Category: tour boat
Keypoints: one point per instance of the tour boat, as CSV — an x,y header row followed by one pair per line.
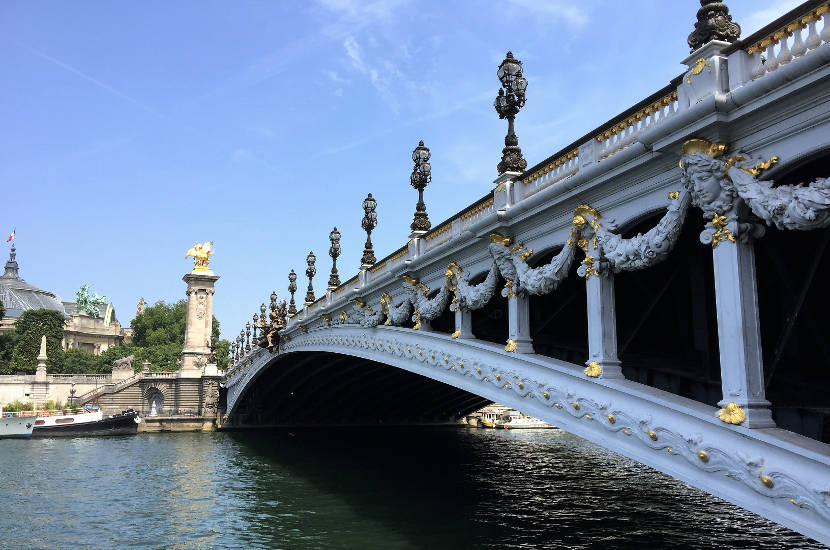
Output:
x,y
93,422
14,425
521,421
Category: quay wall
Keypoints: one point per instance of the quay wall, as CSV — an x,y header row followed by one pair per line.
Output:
x,y
55,387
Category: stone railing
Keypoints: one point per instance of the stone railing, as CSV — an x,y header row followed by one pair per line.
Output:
x,y
798,35
79,378
560,168
626,132
475,213
438,236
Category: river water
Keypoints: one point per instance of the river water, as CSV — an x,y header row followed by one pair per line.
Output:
x,y
427,488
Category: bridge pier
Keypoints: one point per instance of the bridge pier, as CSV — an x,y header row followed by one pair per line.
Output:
x,y
739,334
602,326
518,315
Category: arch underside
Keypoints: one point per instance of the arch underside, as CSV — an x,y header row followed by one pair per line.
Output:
x,y
325,388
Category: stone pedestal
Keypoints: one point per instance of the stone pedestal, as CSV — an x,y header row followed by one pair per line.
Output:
x,y
199,323
463,323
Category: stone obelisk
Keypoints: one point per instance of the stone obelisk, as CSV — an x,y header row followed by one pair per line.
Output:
x,y
199,322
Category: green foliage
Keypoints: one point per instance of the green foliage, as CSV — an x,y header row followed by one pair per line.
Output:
x,y
162,358
2,311
223,348
160,324
30,327
81,361
7,343
17,406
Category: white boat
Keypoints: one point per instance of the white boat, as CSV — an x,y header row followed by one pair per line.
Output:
x,y
14,425
520,420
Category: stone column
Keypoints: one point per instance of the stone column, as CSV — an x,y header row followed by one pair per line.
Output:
x,y
463,323
739,335
199,323
518,314
602,327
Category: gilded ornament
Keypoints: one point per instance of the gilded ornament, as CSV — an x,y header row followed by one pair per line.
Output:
x,y
510,347
461,364
500,239
456,334
409,279
201,257
673,195
611,418
587,417
498,376
557,405
526,254
703,456
593,370
670,450
625,431
697,68
653,435
508,286
580,215
478,370
732,414
521,386
766,480
575,405
721,233
697,145
546,395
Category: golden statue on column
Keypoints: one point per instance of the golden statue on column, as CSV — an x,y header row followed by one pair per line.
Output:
x,y
201,257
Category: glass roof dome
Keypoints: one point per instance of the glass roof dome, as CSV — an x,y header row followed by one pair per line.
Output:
x,y
18,296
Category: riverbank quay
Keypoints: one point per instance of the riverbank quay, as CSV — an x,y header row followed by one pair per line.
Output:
x,y
159,424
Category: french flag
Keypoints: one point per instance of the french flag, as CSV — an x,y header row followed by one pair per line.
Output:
x,y
11,236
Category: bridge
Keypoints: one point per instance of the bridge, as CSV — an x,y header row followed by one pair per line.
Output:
x,y
654,287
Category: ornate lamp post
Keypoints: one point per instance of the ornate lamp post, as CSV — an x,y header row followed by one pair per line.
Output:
x,y
370,221
262,309
292,288
254,326
508,103
420,178
334,252
310,271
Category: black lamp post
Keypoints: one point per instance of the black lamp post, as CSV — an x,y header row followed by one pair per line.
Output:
x,y
370,221
310,271
292,288
334,252
420,178
508,103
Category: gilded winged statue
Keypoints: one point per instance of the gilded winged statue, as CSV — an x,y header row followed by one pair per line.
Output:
x,y
201,255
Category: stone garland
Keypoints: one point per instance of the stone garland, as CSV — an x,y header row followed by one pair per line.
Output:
x,y
748,470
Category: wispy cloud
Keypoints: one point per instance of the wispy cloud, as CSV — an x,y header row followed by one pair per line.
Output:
x,y
378,80
92,80
764,16
574,14
244,155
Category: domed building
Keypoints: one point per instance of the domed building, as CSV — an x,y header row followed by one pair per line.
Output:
x,y
86,327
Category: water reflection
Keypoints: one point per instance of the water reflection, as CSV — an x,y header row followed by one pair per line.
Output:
x,y
380,488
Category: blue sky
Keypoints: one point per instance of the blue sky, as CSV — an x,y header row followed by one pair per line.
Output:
x,y
134,130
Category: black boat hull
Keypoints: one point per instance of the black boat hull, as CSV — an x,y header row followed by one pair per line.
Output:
x,y
122,424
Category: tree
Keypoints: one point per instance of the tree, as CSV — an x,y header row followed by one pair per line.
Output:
x,y
158,337
30,328
81,361
223,348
